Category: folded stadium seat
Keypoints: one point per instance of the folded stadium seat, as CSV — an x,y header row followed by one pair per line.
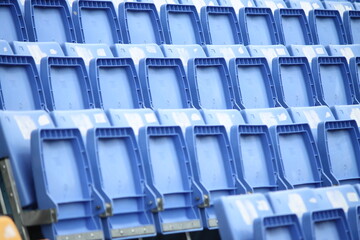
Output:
x,y
8,230
251,217
184,52
212,90
221,26
327,27
298,157
140,23
37,50
23,102
258,26
87,51
268,51
181,24
226,51
237,4
341,6
119,178
213,166
199,3
335,87
77,204
137,52
296,91
293,27
321,215
96,22
69,94
272,4
352,25
306,5
336,139
345,197
177,196
49,21
348,51
255,159
13,28
308,51
117,90
250,75
166,90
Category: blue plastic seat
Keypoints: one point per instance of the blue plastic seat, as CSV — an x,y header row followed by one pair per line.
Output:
x,y
268,51
251,217
333,81
181,24
87,51
49,21
165,88
341,6
221,26
66,84
294,82
200,4
164,84
119,178
267,116
298,157
115,83
339,147
13,28
96,22
137,52
134,118
177,196
140,23
327,27
23,103
184,52
38,50
69,94
16,128
273,4
319,218
213,165
348,51
237,4
21,88
253,83
293,27
345,197
226,51
255,159
160,3
227,118
77,203
352,25
258,26
210,84
308,51
306,5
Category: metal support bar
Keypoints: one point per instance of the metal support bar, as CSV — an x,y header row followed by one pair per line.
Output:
x,y
10,197
11,205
